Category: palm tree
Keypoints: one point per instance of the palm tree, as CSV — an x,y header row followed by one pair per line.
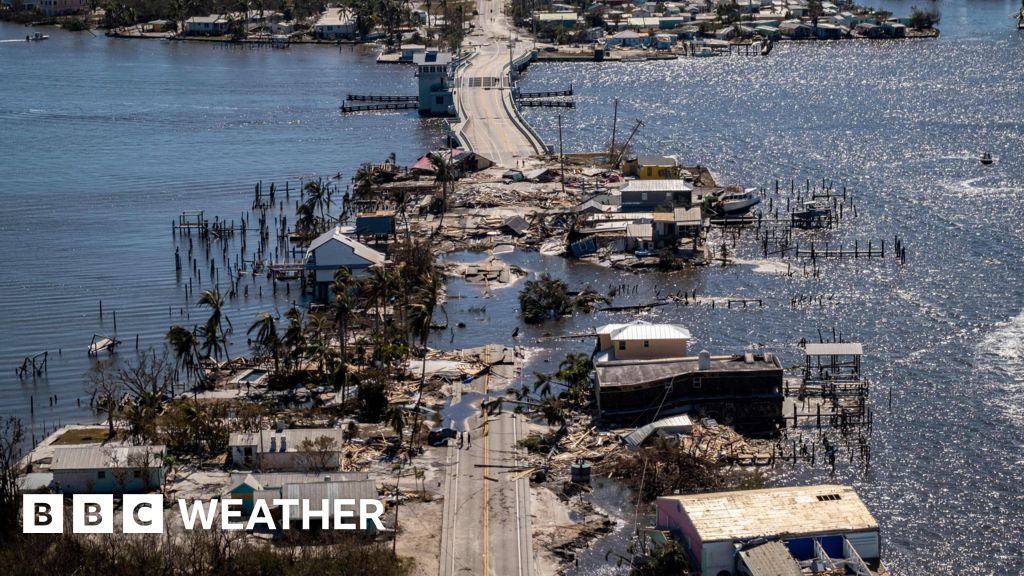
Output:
x,y
215,336
542,384
343,312
305,221
318,343
294,338
421,316
318,197
444,173
267,338
378,287
575,372
185,346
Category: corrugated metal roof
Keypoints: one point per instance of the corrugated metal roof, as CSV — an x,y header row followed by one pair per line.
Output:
x,y
315,491
640,330
638,436
104,457
656,186
834,349
770,559
360,249
642,230
773,512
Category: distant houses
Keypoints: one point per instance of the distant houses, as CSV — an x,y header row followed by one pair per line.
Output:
x,y
335,24
107,469
775,531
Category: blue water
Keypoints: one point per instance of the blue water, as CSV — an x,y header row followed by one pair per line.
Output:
x,y
106,141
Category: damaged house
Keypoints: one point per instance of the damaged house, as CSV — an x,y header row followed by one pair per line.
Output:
x,y
643,371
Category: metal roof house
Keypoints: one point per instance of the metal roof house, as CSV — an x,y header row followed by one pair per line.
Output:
x,y
650,194
641,340
245,485
827,525
107,469
333,250
285,449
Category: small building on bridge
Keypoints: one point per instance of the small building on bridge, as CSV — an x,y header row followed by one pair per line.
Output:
x,y
435,82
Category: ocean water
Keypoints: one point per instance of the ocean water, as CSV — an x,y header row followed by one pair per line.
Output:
x,y
106,141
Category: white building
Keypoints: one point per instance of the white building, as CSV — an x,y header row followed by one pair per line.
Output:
x,y
335,24
212,25
287,449
107,469
333,250
639,340
827,524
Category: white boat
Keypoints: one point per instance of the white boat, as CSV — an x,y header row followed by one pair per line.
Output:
x,y
735,201
705,52
36,37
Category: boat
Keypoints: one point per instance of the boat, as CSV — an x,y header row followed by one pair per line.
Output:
x,y
986,158
36,37
734,201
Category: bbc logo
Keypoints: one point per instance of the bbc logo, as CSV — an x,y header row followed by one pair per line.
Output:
x,y
92,514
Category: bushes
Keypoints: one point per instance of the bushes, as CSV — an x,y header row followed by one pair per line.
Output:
x,y
544,299
198,553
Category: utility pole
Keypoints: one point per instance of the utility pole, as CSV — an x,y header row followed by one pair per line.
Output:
x,y
615,121
561,155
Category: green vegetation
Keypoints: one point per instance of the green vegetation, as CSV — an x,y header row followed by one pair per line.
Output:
x,y
196,553
549,298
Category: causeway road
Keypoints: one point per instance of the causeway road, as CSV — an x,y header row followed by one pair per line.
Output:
x,y
486,519
488,122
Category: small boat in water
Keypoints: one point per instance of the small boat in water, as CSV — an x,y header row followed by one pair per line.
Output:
x,y
734,201
986,158
36,37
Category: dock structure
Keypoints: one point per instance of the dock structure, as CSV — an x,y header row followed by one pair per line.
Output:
x,y
380,98
547,103
403,105
546,94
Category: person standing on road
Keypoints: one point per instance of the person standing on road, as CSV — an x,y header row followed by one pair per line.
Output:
x,y
469,440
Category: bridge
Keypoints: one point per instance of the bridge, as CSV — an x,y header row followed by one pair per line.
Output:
x,y
489,121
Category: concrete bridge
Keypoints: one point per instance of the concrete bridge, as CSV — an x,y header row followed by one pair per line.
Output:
x,y
489,123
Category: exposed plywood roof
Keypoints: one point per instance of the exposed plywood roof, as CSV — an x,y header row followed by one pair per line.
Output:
x,y
834,349
770,559
775,512
657,186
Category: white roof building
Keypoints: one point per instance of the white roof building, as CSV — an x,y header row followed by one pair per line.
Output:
x,y
641,340
831,517
287,449
107,469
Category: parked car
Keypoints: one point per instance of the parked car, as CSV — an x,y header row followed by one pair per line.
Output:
x,y
440,436
643,253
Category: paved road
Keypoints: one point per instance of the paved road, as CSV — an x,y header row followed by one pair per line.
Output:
x,y
486,522
482,90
